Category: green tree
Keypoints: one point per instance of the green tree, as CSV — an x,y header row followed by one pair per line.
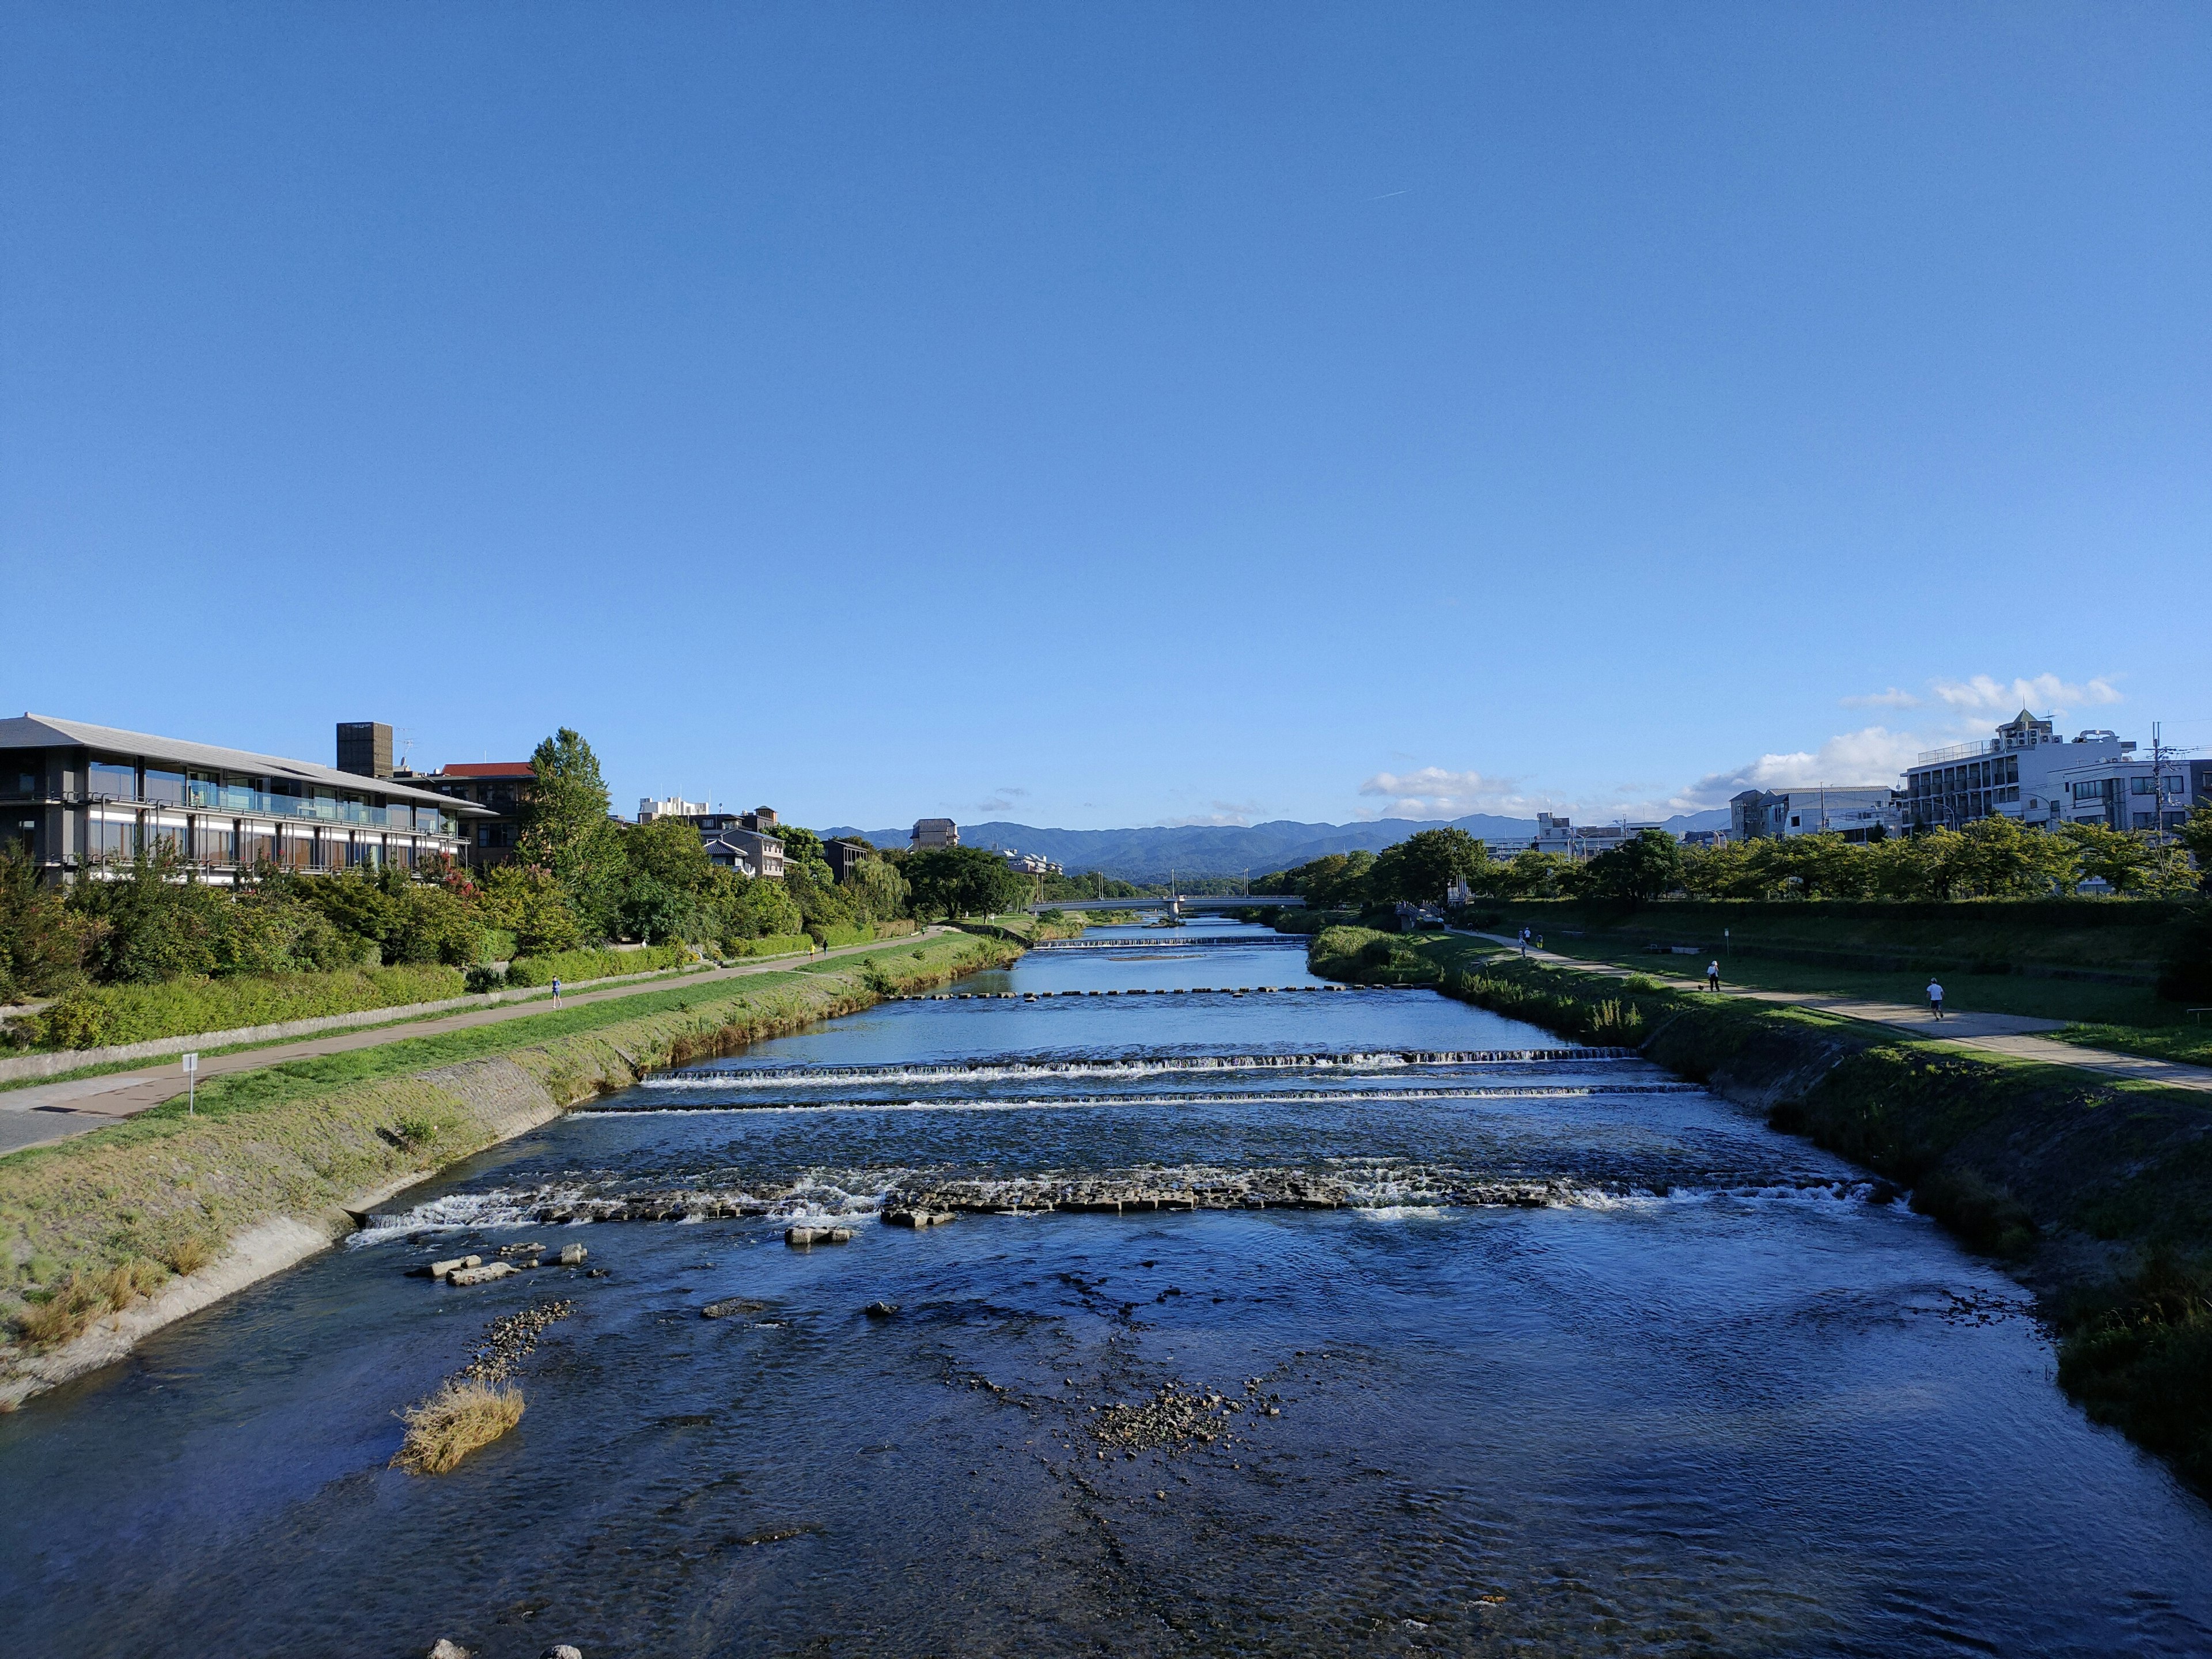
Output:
x,y
1647,866
528,902
1421,867
668,850
2120,860
754,909
2195,837
2002,859
876,889
566,830
1335,881
957,881
42,944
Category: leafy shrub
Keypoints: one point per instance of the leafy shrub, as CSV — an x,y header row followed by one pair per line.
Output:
x,y
1988,1218
99,1015
577,966
483,977
773,945
2144,1364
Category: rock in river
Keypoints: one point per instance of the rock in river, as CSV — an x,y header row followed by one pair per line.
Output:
x,y
800,1237
730,1306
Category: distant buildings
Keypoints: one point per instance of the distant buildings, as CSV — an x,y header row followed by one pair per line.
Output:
x,y
934,832
77,798
2128,792
675,806
1030,864
741,840
1856,813
2011,776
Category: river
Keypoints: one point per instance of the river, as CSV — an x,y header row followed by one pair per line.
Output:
x,y
1585,1361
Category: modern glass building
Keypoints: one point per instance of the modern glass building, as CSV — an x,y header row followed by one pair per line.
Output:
x,y
82,799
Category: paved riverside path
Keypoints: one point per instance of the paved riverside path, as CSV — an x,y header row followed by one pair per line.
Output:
x,y
54,1111
2016,1036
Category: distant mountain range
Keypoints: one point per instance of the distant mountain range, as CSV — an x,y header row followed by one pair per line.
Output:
x,y
1230,850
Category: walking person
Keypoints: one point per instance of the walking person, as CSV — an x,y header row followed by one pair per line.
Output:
x,y
1935,998
1524,941
556,993
1713,975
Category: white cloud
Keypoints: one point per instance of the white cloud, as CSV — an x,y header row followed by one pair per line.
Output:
x,y
1434,793
1985,694
2046,692
1225,814
1891,698
1872,755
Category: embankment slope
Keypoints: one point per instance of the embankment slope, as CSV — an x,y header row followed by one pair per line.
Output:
x,y
113,1234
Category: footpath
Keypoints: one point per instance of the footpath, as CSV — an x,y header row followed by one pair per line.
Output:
x,y
2013,1037
49,1112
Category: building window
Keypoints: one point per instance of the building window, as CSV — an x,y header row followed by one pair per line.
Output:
x,y
113,779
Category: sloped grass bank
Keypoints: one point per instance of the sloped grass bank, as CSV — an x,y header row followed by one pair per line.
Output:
x,y
91,1227
2099,1194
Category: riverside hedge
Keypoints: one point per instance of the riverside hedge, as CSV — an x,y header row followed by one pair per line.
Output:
x,y
93,1016
2097,1193
91,1224
576,966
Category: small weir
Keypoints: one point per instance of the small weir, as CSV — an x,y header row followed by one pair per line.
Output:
x,y
996,1069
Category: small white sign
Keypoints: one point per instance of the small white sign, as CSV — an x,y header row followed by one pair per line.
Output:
x,y
192,1062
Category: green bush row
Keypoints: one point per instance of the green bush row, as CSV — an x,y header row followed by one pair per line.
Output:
x,y
774,944
576,966
99,1015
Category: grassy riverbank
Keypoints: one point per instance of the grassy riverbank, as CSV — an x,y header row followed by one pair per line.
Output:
x,y
2098,1194
92,1225
2085,959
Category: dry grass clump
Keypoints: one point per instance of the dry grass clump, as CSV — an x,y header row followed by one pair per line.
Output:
x,y
189,1254
454,1422
78,1300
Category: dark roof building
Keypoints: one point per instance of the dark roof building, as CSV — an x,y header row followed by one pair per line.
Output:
x,y
81,798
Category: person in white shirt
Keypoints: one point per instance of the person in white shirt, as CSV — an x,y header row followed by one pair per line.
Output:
x,y
1713,976
1935,998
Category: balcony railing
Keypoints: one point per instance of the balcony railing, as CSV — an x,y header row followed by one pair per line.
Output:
x,y
258,803
1958,751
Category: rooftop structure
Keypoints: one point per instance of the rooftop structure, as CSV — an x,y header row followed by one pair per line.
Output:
x,y
81,798
934,832
674,806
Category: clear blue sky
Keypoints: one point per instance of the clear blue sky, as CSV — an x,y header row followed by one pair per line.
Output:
x,y
1104,416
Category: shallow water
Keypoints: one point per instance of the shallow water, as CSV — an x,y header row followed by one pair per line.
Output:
x,y
1694,1390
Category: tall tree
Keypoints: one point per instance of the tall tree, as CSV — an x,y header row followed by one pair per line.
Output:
x,y
957,881
566,830
1423,865
1647,866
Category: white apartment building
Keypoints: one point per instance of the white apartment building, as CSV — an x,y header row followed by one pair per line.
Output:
x,y
2129,793
675,806
2014,774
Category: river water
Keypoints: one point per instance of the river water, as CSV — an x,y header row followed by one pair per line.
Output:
x,y
1583,1361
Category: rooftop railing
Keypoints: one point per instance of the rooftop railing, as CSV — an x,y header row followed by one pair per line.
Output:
x,y
1957,752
